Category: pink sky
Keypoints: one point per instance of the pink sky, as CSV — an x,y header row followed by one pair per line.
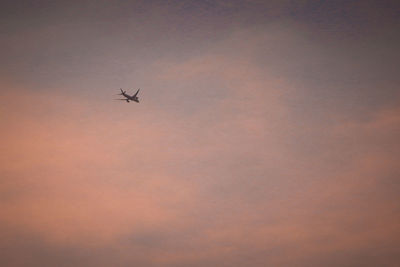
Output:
x,y
261,139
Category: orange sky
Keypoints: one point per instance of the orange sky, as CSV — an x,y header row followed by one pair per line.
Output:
x,y
266,135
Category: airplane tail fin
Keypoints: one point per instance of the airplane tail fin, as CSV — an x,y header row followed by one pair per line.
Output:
x,y
122,91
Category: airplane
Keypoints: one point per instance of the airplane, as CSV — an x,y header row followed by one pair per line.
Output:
x,y
128,97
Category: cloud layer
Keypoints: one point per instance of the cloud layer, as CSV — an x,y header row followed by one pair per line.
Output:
x,y
259,141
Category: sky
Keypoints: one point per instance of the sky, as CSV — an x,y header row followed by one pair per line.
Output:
x,y
267,133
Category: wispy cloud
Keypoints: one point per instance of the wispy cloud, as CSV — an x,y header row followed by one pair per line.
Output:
x,y
269,144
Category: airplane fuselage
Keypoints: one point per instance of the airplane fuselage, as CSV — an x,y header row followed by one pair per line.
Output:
x,y
132,98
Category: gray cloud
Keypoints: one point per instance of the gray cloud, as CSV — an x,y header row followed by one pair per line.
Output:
x,y
266,134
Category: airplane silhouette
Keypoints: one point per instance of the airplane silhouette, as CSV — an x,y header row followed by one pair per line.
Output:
x,y
128,97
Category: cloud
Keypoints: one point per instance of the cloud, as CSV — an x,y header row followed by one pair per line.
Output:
x,y
228,160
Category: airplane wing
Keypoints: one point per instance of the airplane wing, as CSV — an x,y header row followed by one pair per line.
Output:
x,y
136,93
